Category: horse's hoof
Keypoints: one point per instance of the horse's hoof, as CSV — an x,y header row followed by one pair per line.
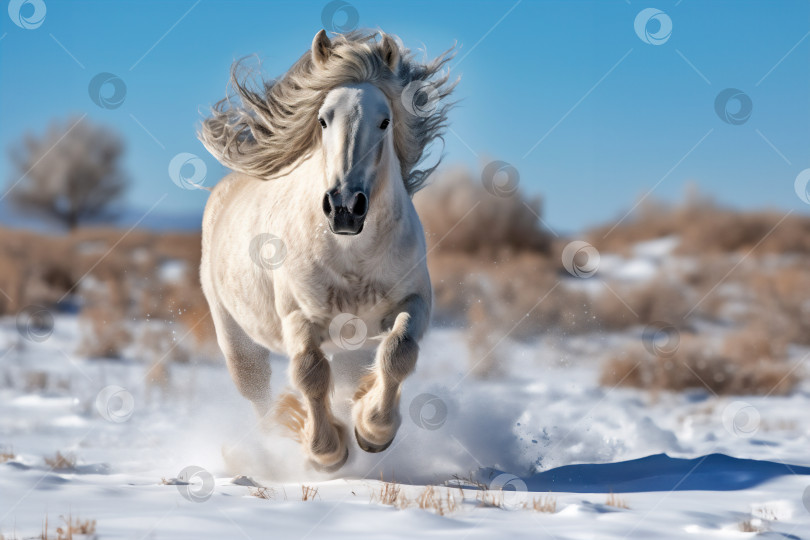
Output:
x,y
331,468
371,447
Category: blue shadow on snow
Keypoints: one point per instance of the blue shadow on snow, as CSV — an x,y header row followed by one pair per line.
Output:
x,y
659,472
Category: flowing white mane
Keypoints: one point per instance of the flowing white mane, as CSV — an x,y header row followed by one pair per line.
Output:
x,y
263,132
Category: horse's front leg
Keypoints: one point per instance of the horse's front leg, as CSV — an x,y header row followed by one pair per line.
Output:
x,y
376,410
322,435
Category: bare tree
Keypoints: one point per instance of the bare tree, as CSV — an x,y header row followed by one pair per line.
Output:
x,y
72,173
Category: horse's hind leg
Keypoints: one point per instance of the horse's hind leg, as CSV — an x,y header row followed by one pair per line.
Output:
x,y
247,361
376,410
322,435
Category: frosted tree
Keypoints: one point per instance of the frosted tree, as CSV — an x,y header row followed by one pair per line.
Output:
x,y
72,173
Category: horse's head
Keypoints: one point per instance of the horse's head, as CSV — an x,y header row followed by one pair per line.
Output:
x,y
355,120
365,107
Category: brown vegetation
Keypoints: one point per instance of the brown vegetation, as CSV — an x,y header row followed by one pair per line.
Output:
x,y
616,502
114,276
308,493
706,228
460,216
7,454
388,494
746,271
85,527
749,365
751,526
546,504
61,461
262,492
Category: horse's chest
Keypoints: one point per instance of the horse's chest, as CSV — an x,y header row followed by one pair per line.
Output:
x,y
353,292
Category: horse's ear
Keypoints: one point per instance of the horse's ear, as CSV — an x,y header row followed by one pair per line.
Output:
x,y
390,52
321,48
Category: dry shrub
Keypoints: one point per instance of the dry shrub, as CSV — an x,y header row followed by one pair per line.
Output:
x,y
782,302
516,295
508,288
61,461
488,257
755,368
459,215
623,306
705,228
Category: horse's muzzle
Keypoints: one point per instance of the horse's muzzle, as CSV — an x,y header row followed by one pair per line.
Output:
x,y
345,211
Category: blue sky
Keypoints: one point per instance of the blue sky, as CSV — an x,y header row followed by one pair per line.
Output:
x,y
591,115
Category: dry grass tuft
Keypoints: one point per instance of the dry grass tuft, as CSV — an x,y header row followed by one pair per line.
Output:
x,y
308,493
72,526
7,454
751,526
468,480
430,499
86,528
546,504
388,494
616,502
490,499
263,492
61,461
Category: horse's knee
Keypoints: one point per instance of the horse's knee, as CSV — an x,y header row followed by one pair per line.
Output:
x,y
311,373
398,356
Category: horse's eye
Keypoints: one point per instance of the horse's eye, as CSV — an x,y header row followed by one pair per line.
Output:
x,y
322,122
385,123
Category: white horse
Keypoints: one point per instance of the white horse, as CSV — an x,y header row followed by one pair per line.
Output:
x,y
325,166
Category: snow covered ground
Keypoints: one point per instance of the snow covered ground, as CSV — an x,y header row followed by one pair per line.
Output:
x,y
546,426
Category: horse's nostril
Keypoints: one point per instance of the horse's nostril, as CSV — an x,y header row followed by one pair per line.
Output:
x,y
360,206
327,206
